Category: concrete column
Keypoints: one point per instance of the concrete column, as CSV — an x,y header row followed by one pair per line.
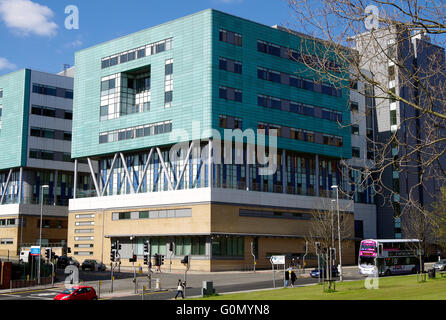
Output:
x,y
284,175
20,185
75,178
29,181
247,175
210,164
56,173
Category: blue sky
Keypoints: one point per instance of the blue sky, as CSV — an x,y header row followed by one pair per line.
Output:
x,y
33,33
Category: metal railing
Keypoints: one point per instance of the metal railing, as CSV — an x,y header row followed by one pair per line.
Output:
x,y
28,283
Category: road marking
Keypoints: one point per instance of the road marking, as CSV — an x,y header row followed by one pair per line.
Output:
x,y
30,291
43,294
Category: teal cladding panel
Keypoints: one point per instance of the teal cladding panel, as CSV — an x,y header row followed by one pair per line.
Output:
x,y
191,55
251,86
15,114
197,77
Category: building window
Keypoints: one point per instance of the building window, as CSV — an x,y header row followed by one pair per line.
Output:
x,y
84,216
231,37
291,80
85,223
83,253
356,152
190,245
355,130
392,95
228,247
228,122
230,65
83,238
168,86
6,241
51,112
354,106
52,91
141,52
231,94
1,93
391,73
393,118
84,231
83,246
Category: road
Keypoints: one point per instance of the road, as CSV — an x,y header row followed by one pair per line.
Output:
x,y
124,287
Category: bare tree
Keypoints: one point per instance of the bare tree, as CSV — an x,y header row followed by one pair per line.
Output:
x,y
438,218
324,228
397,49
417,225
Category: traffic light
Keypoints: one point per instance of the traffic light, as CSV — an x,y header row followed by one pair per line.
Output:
x,y
48,253
185,260
318,247
161,260
146,260
157,260
118,245
146,247
113,255
69,250
133,258
333,253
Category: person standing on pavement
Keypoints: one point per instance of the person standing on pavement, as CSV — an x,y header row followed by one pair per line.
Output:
x,y
293,278
180,289
287,276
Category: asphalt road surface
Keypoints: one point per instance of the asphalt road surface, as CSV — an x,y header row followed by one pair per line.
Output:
x,y
124,287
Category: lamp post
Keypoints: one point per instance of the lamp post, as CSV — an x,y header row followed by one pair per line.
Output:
x,y
332,223
332,238
339,231
40,238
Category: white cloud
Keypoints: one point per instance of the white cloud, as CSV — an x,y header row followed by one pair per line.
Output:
x,y
74,44
26,17
6,65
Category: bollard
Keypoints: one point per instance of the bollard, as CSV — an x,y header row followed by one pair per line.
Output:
x,y
143,291
158,284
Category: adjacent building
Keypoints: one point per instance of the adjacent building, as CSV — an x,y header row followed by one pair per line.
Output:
x,y
405,63
36,111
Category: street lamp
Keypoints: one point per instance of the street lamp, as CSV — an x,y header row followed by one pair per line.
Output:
x,y
332,237
339,231
40,238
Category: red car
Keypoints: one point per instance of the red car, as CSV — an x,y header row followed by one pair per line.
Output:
x,y
77,293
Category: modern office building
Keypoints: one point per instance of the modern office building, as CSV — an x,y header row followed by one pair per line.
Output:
x,y
155,110
35,141
396,58
363,129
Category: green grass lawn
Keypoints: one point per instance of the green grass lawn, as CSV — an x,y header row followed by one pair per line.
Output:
x,y
390,288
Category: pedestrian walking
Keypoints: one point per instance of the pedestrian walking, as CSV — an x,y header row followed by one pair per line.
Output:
x,y
293,278
287,277
180,289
